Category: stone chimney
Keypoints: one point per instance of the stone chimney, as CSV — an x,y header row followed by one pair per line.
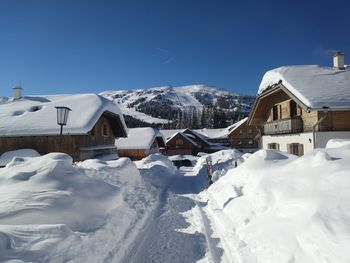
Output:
x,y
17,92
338,60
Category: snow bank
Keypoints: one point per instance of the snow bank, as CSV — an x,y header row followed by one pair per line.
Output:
x,y
49,190
117,172
157,169
6,157
280,208
222,161
336,143
54,211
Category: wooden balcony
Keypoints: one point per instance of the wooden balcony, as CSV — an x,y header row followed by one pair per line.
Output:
x,y
293,125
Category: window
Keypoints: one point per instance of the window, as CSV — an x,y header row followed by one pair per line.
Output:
x,y
240,131
179,143
250,131
293,109
250,141
296,149
275,113
104,130
239,142
273,146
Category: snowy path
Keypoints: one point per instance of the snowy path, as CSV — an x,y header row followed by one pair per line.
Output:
x,y
168,236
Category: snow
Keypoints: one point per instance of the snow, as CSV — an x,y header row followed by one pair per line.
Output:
x,y
51,210
206,134
273,207
184,136
223,132
139,138
185,98
6,157
36,115
276,207
315,86
337,143
140,115
170,133
131,97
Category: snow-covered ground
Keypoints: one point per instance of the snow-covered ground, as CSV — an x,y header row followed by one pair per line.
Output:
x,y
274,207
53,211
278,208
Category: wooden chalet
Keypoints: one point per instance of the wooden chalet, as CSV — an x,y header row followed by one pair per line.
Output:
x,y
182,144
243,137
239,135
190,142
300,108
140,143
30,122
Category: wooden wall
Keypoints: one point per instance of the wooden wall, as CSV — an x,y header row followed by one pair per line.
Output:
x,y
283,109
309,120
186,148
284,112
241,137
335,121
70,143
134,154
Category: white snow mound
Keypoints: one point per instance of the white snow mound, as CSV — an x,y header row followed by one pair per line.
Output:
x,y
279,208
337,143
6,157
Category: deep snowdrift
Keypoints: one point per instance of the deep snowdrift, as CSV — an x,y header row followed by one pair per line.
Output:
x,y
280,208
54,211
6,157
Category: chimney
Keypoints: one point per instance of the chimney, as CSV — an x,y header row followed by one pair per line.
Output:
x,y
338,60
17,92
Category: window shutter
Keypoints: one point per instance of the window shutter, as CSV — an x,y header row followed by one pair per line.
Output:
x,y
280,112
289,148
301,149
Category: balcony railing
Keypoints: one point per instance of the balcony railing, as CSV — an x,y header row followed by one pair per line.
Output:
x,y
293,125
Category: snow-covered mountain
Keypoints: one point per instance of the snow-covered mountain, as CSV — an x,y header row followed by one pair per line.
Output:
x,y
162,104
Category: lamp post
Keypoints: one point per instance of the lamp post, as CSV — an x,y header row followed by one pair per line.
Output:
x,y
62,117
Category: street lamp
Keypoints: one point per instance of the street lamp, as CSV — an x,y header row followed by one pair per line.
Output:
x,y
62,117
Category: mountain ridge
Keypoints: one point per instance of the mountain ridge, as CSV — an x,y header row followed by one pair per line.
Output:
x,y
162,105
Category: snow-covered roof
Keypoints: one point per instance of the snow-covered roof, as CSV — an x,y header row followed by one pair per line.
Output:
x,y
236,125
314,86
139,138
169,133
222,132
213,133
196,135
183,135
36,115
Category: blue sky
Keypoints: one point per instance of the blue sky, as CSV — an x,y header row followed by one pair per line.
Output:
x,y
72,46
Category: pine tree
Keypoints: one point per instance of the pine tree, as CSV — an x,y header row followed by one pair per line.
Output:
x,y
203,118
194,119
179,120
